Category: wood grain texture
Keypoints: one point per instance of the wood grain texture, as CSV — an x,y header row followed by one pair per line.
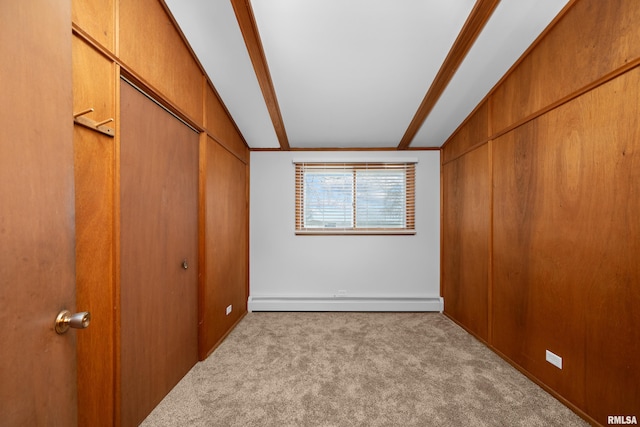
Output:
x,y
93,86
37,233
465,245
472,27
93,155
93,82
564,268
613,291
97,18
592,39
538,304
249,28
566,248
221,127
225,273
475,130
153,48
159,229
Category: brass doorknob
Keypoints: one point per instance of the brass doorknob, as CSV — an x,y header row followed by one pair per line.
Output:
x,y
66,320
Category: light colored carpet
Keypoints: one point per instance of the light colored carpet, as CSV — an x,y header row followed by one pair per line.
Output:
x,y
356,369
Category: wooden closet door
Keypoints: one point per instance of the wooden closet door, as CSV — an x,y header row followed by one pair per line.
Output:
x,y
159,244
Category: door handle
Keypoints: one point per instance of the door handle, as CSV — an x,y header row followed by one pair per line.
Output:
x,y
185,264
66,320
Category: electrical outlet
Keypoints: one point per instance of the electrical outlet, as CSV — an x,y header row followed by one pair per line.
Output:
x,y
554,359
229,308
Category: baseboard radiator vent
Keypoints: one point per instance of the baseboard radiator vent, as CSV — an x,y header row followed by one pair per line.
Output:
x,y
265,303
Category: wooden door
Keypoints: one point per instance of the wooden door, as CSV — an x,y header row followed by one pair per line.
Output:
x,y
159,253
37,273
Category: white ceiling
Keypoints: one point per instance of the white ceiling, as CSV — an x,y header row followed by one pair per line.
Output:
x,y
352,73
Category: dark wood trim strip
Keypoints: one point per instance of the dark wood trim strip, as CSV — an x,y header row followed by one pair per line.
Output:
x,y
526,53
476,21
230,150
128,71
116,250
134,77
249,29
591,86
490,247
202,242
491,216
203,71
224,107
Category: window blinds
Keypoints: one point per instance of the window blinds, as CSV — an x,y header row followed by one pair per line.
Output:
x,y
355,197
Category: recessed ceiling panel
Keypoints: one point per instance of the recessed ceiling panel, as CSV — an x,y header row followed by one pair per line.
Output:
x,y
513,27
214,35
353,73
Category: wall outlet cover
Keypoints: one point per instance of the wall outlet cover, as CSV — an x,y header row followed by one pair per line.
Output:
x,y
554,359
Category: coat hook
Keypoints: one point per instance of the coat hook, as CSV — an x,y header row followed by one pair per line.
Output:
x,y
104,122
82,113
92,124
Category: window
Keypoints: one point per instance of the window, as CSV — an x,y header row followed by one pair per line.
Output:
x,y
351,198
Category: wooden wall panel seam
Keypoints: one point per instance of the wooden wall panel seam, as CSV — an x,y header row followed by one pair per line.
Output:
x,y
526,373
202,242
182,36
587,88
208,128
76,30
490,248
442,200
490,243
223,145
526,53
204,73
117,345
199,124
139,80
467,151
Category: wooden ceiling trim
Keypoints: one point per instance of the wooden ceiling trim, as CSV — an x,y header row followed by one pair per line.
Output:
x,y
249,29
476,21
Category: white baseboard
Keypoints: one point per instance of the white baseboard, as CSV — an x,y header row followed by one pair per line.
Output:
x,y
344,304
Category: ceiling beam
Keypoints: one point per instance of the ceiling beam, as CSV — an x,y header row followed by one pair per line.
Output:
x,y
472,27
249,29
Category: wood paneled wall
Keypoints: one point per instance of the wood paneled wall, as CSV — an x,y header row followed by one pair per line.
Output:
x,y
139,39
541,186
466,201
150,44
94,155
224,241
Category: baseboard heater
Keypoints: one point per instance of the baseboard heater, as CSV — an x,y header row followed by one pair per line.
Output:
x,y
265,303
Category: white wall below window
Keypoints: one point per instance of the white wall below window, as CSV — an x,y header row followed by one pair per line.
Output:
x,y
340,273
